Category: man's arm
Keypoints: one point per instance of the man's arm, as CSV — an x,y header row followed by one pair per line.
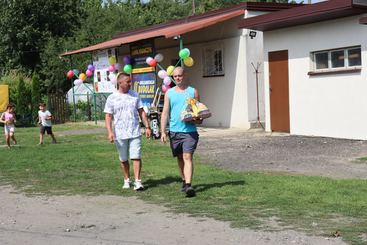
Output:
x,y
144,118
108,122
164,117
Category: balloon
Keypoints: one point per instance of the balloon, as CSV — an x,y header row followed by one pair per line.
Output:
x,y
153,63
167,81
91,67
189,62
76,72
111,68
77,82
89,73
112,60
128,68
162,74
127,59
170,70
82,76
113,78
70,74
164,88
148,60
159,57
118,66
184,53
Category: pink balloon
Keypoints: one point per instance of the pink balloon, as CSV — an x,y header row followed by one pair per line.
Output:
x,y
167,81
153,63
89,73
111,68
164,88
70,74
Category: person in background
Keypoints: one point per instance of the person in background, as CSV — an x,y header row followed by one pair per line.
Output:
x,y
9,120
44,119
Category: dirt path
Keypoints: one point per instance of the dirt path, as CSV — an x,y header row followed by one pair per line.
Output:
x,y
120,220
125,220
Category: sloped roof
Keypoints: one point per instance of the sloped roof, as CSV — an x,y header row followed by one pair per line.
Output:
x,y
182,26
305,14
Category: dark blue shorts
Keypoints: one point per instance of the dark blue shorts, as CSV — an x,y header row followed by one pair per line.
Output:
x,y
47,129
183,142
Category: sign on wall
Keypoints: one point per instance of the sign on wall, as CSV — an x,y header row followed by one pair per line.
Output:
x,y
145,85
101,80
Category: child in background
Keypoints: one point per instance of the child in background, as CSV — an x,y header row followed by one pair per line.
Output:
x,y
9,120
44,119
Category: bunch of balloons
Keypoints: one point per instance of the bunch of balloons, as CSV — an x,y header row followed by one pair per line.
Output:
x,y
81,77
128,67
184,55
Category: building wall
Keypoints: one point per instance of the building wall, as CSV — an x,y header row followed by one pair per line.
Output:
x,y
322,105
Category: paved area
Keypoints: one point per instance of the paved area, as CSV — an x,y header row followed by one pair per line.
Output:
x,y
256,150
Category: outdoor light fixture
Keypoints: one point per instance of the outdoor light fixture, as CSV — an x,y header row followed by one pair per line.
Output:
x,y
252,34
176,37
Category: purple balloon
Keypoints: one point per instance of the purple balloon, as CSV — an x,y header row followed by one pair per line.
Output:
x,y
127,60
90,67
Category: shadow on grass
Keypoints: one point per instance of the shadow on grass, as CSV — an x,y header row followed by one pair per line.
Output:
x,y
152,183
205,187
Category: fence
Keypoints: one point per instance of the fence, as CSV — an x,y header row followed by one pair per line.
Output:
x,y
58,106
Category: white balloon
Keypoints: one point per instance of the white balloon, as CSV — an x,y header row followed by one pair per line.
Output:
x,y
162,74
78,82
167,81
159,57
148,60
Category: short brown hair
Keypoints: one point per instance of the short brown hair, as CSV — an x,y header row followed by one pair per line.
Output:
x,y
122,74
42,104
10,105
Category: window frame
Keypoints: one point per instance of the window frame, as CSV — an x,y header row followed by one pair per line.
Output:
x,y
212,48
346,66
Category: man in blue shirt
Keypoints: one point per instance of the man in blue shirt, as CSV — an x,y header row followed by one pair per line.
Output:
x,y
183,135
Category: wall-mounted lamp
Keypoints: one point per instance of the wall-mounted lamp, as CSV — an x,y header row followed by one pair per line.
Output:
x,y
252,34
176,37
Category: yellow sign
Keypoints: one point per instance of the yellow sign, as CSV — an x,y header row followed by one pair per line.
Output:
x,y
144,69
4,97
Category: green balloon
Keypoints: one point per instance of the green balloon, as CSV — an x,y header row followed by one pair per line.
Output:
x,y
184,53
128,68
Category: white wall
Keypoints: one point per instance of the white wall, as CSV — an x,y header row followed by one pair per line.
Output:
x,y
322,105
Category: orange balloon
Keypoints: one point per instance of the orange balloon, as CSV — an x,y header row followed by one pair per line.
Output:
x,y
189,61
82,76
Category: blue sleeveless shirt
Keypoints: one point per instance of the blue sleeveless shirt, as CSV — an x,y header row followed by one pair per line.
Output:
x,y
177,103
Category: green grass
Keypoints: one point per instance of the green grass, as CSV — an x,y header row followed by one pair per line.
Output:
x,y
88,165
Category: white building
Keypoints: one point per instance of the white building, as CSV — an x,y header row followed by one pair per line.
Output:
x,y
315,74
223,55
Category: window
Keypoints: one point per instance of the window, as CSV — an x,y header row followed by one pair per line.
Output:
x,y
213,60
336,59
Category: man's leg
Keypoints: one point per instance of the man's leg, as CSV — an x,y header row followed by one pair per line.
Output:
x,y
188,167
125,169
135,156
180,163
137,168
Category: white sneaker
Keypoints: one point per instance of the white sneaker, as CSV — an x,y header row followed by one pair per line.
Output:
x,y
126,184
138,186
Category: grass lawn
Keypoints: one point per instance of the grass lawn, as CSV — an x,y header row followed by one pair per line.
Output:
x,y
88,165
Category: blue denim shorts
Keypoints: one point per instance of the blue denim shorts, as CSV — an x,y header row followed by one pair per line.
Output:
x,y
129,147
183,142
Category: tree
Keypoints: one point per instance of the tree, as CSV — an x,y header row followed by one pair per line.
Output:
x,y
23,103
36,95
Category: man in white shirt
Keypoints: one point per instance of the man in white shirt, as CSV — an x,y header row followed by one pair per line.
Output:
x,y
123,108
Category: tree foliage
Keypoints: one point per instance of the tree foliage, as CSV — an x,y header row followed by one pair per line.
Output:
x,y
33,33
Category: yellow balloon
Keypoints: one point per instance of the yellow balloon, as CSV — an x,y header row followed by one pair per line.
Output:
x,y
189,62
112,60
82,76
170,70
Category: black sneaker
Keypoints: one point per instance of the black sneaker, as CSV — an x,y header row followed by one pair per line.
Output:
x,y
183,188
190,192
